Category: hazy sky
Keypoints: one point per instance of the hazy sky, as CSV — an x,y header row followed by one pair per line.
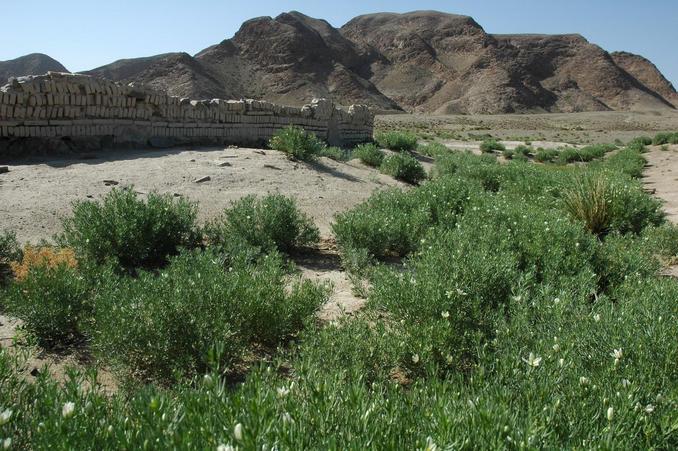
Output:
x,y
83,34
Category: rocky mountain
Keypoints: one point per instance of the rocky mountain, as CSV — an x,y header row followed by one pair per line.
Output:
x,y
424,61
35,63
646,73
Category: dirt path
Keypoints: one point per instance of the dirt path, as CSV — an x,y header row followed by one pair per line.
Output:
x,y
661,178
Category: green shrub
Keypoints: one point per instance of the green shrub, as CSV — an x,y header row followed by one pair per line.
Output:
x,y
52,302
392,223
403,167
662,240
369,154
9,252
336,153
546,155
665,138
433,149
522,150
621,257
628,161
132,232
297,143
273,222
585,154
508,153
398,141
490,145
642,140
604,204
197,314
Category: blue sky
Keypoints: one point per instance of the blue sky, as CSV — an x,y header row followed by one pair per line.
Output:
x,y
84,34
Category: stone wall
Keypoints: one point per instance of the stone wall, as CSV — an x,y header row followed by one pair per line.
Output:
x,y
53,111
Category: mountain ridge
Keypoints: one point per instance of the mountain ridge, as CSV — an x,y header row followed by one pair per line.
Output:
x,y
422,61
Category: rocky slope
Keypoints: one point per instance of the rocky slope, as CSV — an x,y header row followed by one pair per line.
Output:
x,y
423,61
33,64
646,73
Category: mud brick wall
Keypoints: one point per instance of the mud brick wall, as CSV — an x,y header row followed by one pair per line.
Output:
x,y
48,112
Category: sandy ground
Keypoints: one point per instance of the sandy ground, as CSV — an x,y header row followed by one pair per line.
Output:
x,y
661,177
35,196
574,128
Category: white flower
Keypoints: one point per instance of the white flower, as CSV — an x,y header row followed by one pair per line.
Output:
x,y
5,416
287,418
6,443
415,358
556,301
584,380
610,413
625,383
461,292
68,410
649,408
561,362
617,354
283,391
596,317
445,314
556,347
207,379
237,432
430,445
449,359
223,447
532,360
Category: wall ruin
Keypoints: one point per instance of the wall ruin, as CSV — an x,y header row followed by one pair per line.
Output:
x,y
47,112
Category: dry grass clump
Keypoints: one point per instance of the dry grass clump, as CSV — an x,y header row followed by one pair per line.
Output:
x,y
47,257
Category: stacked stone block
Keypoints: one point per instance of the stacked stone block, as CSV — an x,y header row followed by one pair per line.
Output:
x,y
58,106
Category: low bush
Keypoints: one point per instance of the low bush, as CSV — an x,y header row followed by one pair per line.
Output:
x,y
490,145
297,143
641,140
546,155
273,222
606,204
433,149
403,167
665,138
52,301
523,150
9,252
393,222
398,141
336,153
130,231
369,154
508,154
628,161
662,240
585,154
198,315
